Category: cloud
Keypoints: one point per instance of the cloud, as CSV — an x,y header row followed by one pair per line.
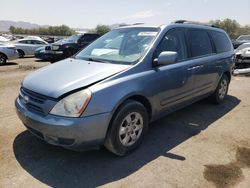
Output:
x,y
143,14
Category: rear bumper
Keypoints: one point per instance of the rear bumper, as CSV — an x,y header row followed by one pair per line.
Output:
x,y
72,133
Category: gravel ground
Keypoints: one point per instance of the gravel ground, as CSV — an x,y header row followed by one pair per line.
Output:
x,y
202,145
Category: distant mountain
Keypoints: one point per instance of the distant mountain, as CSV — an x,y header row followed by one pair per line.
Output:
x,y
5,25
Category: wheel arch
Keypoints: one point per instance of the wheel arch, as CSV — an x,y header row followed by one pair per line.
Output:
x,y
21,50
136,97
228,74
4,55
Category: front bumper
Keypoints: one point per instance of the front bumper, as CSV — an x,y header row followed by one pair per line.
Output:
x,y
49,55
55,55
72,133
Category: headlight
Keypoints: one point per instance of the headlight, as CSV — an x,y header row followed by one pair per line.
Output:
x,y
55,47
72,105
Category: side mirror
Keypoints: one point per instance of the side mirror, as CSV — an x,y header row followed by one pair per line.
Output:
x,y
166,58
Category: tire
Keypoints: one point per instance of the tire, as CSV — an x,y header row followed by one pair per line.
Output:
x,y
20,53
124,135
221,91
3,59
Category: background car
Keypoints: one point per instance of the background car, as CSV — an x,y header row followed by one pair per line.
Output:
x,y
7,52
3,39
27,46
242,56
69,46
243,38
45,55
237,43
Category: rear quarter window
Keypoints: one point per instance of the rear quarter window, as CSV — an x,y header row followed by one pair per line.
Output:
x,y
221,42
199,43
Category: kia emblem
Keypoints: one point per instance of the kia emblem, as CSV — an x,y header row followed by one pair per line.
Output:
x,y
26,99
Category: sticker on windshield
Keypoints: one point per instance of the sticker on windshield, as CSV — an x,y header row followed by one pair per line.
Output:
x,y
145,34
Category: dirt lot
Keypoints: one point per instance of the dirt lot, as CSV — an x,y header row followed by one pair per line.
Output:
x,y
202,145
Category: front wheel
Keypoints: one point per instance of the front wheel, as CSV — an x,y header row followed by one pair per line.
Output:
x,y
127,128
3,59
221,91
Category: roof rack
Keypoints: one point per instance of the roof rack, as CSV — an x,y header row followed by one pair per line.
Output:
x,y
137,23
193,22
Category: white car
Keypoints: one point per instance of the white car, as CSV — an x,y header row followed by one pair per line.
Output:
x,y
242,56
7,52
244,38
3,39
243,50
28,46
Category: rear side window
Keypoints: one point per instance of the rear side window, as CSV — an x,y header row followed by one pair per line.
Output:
x,y
200,43
221,41
39,42
23,42
87,38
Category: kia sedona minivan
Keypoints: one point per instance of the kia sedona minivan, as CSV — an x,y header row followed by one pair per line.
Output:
x,y
109,92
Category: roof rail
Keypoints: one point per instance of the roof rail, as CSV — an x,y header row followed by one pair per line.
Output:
x,y
137,23
193,22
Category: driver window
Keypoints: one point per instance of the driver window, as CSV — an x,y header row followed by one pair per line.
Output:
x,y
173,41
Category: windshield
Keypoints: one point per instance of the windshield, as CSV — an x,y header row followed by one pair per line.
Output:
x,y
244,37
246,45
73,38
121,46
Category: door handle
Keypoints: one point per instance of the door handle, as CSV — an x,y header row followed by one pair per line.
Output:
x,y
195,67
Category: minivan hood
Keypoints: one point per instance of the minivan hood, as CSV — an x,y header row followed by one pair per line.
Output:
x,y
67,75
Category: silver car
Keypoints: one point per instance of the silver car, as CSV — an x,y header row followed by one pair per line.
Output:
x,y
28,46
109,92
7,52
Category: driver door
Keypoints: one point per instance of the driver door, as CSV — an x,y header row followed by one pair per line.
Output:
x,y
174,82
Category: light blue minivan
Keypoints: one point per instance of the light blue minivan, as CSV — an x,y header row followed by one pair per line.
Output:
x,y
109,92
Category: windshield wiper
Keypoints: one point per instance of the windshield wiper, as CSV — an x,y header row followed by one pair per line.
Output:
x,y
97,60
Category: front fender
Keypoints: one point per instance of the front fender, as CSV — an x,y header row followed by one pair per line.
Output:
x,y
108,96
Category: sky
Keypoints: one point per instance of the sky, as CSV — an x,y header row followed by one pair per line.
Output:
x,y
89,13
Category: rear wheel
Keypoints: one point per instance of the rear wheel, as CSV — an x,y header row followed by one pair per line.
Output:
x,y
3,59
221,91
127,128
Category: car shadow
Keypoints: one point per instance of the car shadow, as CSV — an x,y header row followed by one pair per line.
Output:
x,y
27,57
8,64
58,167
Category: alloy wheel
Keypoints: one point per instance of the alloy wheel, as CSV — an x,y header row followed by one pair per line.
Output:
x,y
131,129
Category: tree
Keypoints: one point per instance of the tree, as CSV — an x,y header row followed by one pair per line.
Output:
x,y
232,27
102,29
12,29
62,30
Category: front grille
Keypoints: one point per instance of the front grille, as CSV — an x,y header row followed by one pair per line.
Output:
x,y
33,101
